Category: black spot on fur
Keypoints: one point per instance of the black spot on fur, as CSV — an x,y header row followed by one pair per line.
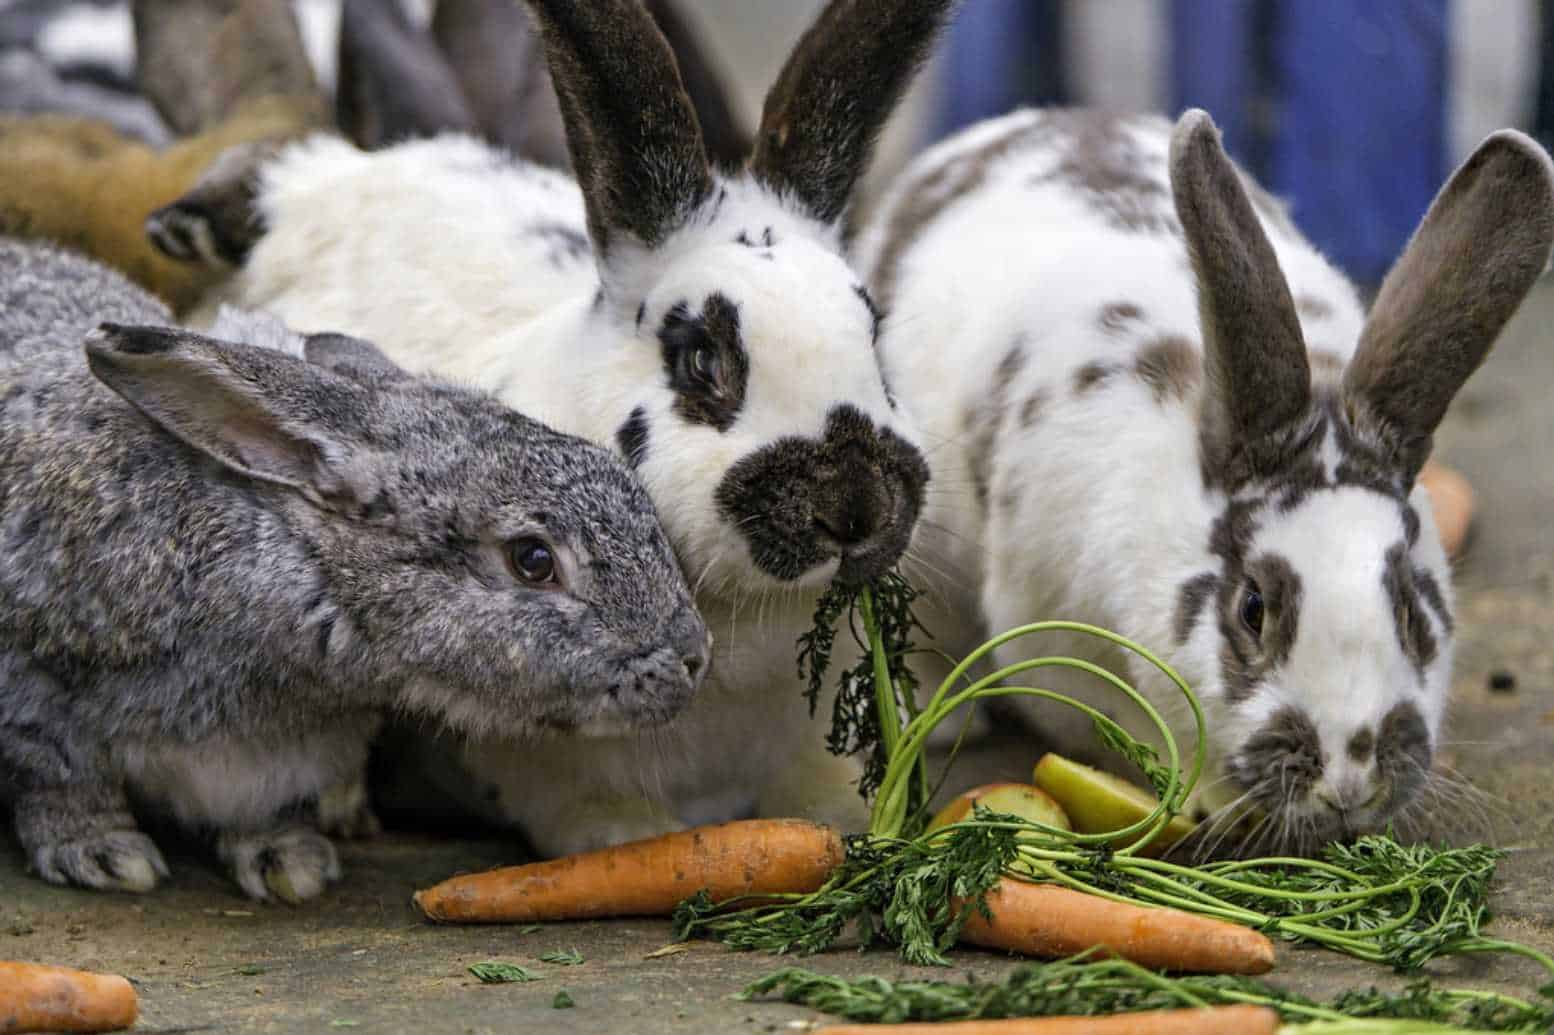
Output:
x,y
326,631
1190,600
876,315
641,313
800,502
1361,745
705,361
632,438
766,240
563,244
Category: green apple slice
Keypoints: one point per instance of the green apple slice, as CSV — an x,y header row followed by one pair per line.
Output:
x,y
1098,802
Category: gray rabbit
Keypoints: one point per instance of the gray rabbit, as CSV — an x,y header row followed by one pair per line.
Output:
x,y
221,564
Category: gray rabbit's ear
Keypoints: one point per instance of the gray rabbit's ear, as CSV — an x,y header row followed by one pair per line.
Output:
x,y
200,60
1479,249
261,413
394,82
1258,382
834,95
724,133
635,143
352,357
494,49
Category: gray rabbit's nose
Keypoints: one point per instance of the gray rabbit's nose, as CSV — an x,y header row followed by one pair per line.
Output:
x,y
695,648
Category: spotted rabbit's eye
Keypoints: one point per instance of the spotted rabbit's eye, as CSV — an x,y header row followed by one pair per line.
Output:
x,y
1252,609
704,363
532,561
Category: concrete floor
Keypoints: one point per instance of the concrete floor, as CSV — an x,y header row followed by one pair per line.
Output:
x,y
205,959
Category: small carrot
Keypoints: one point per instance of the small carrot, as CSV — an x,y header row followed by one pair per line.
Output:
x,y
1052,922
1213,1020
34,997
645,878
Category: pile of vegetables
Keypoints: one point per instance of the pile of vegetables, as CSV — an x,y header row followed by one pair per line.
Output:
x,y
1008,867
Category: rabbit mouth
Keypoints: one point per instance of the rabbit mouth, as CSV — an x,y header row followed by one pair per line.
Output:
x,y
851,497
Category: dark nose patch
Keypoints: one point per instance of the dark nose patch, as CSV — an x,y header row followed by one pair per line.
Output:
x,y
1282,759
1362,745
800,501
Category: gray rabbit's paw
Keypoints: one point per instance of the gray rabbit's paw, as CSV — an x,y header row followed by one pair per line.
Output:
x,y
119,860
290,865
344,811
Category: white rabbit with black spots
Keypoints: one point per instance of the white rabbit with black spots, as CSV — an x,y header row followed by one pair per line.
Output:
x,y
703,320
1153,406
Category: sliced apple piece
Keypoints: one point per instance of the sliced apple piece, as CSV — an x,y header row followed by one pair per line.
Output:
x,y
1015,799
1097,801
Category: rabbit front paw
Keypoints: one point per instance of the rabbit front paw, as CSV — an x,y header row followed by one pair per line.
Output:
x,y
118,860
291,865
344,811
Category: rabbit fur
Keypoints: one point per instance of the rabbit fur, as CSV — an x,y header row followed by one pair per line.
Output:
x,y
1153,406
221,564
703,321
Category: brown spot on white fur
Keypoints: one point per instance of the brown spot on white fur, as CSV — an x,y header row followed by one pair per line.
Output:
x,y
983,423
1409,622
935,191
1170,366
1116,318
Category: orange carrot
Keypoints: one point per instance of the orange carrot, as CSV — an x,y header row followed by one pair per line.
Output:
x,y
1452,503
34,997
1053,922
1214,1020
645,878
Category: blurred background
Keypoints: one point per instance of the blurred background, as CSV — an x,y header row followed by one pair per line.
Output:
x,y
1352,110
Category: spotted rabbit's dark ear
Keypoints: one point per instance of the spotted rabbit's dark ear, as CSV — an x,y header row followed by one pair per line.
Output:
x,y
1258,383
834,95
1479,249
199,61
635,143
394,82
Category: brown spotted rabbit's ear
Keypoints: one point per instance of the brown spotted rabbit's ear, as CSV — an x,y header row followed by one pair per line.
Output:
x,y
199,61
834,95
394,82
1479,249
635,143
1258,382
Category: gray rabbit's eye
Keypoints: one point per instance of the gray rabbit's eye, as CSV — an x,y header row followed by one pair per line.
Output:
x,y
532,561
1252,609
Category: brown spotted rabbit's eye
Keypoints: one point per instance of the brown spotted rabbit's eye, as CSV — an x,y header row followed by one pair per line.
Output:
x,y
1252,609
533,561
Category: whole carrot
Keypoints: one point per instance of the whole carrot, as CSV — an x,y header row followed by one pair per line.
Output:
x,y
1213,1020
1053,922
34,997
645,878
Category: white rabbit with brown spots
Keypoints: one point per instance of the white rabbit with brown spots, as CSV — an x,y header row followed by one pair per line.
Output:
x,y
1150,404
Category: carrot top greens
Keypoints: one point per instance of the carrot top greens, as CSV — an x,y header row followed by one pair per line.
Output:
x,y
1375,899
